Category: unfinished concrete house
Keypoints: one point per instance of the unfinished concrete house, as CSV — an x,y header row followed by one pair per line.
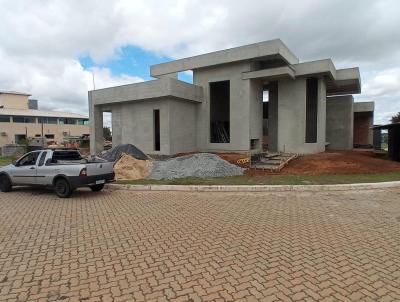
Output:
x,y
245,99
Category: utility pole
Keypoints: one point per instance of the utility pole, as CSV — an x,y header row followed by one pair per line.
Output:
x,y
42,135
94,85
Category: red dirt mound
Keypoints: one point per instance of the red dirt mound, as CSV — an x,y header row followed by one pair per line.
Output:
x,y
336,162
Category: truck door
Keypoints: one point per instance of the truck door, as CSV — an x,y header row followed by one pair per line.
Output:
x,y
25,169
44,173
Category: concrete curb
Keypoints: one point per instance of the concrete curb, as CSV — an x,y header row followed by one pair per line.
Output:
x,y
257,188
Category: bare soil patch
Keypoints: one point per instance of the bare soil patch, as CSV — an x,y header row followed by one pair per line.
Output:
x,y
335,162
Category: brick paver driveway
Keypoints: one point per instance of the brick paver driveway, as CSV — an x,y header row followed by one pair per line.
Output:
x,y
171,246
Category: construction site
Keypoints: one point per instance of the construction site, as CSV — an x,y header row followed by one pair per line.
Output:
x,y
253,110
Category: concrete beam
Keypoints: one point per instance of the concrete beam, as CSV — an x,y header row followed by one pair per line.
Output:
x,y
164,87
320,67
270,74
237,54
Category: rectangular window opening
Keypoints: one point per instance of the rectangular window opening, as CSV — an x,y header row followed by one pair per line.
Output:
x,y
4,119
220,112
156,117
311,110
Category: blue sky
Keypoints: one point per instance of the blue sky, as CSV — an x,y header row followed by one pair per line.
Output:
x,y
132,61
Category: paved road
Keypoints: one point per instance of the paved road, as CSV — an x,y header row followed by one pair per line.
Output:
x,y
176,246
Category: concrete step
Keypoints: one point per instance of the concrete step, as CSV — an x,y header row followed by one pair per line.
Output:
x,y
273,162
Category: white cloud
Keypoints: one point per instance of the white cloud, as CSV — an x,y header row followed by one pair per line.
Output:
x,y
41,40
384,83
58,83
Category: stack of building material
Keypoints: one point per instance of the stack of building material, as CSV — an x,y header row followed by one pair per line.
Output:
x,y
115,153
129,168
272,161
201,165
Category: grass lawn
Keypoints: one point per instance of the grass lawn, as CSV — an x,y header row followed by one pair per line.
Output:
x,y
274,180
4,161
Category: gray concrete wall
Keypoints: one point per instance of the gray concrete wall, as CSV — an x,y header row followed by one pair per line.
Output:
x,y
137,125
96,127
182,125
339,122
292,117
117,124
133,123
132,115
239,107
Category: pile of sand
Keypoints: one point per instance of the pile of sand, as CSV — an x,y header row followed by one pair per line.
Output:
x,y
130,168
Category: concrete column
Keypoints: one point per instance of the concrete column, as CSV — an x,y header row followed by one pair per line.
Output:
x,y
117,125
96,127
256,115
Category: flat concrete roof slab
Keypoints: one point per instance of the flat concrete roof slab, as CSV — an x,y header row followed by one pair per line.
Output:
x,y
237,54
148,90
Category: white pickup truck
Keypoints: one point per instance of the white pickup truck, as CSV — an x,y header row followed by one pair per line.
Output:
x,y
64,170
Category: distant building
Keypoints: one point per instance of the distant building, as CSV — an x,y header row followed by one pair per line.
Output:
x,y
21,119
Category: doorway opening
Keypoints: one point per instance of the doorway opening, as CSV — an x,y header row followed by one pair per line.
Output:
x,y
156,119
270,116
220,112
311,110
107,130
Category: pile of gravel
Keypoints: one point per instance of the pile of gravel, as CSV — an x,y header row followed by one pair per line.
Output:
x,y
115,153
201,165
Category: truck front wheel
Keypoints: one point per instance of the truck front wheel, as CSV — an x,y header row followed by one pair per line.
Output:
x,y
5,183
62,188
97,188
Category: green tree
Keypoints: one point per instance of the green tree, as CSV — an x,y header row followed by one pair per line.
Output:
x,y
396,118
107,133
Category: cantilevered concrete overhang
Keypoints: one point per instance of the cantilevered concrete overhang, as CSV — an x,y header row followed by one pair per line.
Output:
x,y
274,49
339,82
347,81
364,107
155,89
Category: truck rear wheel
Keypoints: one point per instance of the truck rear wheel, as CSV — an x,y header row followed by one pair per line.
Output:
x,y
97,188
62,188
5,183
